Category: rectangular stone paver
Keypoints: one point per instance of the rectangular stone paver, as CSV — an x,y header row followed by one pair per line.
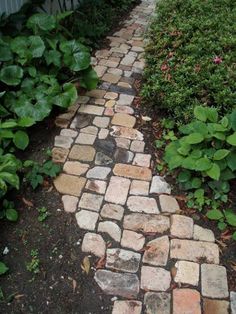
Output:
x,y
142,204
91,109
68,184
157,251
132,172
122,260
127,307
117,190
155,278
139,187
87,219
112,211
132,240
215,306
181,226
96,186
195,251
91,201
82,153
187,273
157,303
130,133
186,301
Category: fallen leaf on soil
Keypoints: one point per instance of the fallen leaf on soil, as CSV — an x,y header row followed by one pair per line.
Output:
x,y
50,189
146,118
101,262
18,296
27,202
74,284
86,265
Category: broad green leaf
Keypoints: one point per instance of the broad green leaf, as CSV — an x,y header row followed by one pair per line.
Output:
x,y
175,162
36,46
230,217
214,172
196,183
212,114
231,139
37,112
53,57
232,118
10,178
6,134
194,138
234,236
11,214
25,122
231,161
184,149
227,175
21,139
5,51
3,268
200,113
41,21
89,79
214,214
203,164
221,225
184,176
8,124
196,126
67,97
189,163
219,136
225,122
221,154
11,75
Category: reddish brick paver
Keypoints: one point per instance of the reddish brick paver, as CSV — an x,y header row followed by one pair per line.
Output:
x,y
152,254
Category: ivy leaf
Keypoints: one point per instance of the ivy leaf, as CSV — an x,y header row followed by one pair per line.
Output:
x,y
11,75
214,214
11,214
221,154
21,139
3,268
214,172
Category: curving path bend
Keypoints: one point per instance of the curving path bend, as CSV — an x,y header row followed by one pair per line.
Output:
x,y
158,261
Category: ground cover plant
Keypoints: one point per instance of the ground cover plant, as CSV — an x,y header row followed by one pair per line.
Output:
x,y
191,57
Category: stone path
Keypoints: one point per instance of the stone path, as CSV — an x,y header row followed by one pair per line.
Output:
x,y
157,261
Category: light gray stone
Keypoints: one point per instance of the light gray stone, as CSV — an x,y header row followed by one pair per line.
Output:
x,y
142,204
168,204
112,211
157,303
157,251
94,243
122,260
111,228
98,172
86,219
233,302
63,141
91,201
85,138
155,278
203,234
159,186
117,190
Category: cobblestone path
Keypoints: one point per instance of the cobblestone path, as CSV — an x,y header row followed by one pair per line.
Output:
x,y
159,261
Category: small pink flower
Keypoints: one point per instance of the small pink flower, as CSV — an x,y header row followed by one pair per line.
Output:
x,y
217,60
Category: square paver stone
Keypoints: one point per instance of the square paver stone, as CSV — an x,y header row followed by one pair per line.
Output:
x,y
86,219
117,190
91,201
85,138
82,153
127,307
68,184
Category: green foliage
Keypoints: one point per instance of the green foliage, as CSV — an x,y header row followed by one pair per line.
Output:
x,y
33,265
190,58
36,172
205,155
43,214
3,268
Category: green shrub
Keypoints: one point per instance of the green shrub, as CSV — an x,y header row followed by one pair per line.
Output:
x,y
205,156
191,57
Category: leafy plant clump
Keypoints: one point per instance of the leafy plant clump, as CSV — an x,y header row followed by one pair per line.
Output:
x,y
191,57
205,155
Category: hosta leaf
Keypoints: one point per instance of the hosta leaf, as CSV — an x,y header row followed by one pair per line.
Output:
x,y
214,172
3,268
11,214
214,214
231,139
221,154
42,21
194,138
21,139
200,113
11,75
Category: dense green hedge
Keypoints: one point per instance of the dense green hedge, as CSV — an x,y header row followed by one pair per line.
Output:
x,y
191,56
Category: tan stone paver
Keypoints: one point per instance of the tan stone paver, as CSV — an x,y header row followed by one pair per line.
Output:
x,y
129,218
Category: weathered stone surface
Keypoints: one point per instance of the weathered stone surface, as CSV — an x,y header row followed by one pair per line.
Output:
x,y
96,186
157,303
111,95
81,121
71,185
132,172
123,120
109,112
233,302
85,138
96,93
115,71
124,109
111,228
125,285
123,156
94,243
127,307
70,203
181,226
59,154
100,69
69,133
122,142
132,240
125,100
159,186
157,251
139,187
187,273
101,122
214,281
121,131
186,301
146,223
82,153
117,190
83,99
142,160
155,278
98,173
63,141
75,167
110,103
100,102
93,130
91,201
215,306
122,260
112,211
103,133
195,251
142,204
137,146
106,146
86,219
128,60
111,78
91,109
168,204
102,159
203,234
